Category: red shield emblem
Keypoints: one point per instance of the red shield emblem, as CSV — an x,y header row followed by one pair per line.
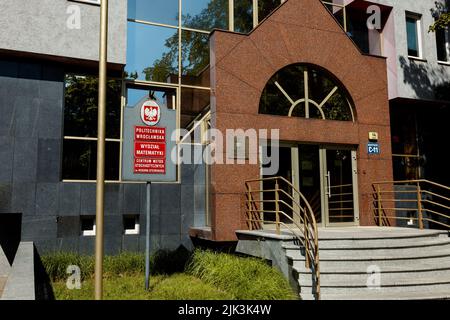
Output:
x,y
150,113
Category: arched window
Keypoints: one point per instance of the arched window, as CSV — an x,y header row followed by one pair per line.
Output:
x,y
306,91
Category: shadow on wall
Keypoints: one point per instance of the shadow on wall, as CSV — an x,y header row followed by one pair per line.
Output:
x,y
431,83
42,284
10,234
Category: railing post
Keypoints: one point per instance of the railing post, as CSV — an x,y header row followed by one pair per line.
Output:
x,y
380,211
277,207
306,233
419,205
249,207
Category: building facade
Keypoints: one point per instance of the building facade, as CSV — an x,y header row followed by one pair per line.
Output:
x,y
312,69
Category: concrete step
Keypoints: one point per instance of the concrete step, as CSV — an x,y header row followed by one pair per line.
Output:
x,y
342,267
377,234
379,255
378,245
386,279
361,266
351,254
378,295
426,288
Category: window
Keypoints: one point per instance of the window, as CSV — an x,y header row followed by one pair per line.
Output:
x,y
158,11
152,53
339,11
195,59
131,224
243,16
306,91
205,14
87,226
265,7
414,35
443,44
80,128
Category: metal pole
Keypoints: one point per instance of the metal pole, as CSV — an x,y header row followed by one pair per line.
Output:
x,y
277,208
147,238
100,192
419,205
380,211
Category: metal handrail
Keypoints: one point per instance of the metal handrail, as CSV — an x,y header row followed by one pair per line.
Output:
x,y
303,223
415,181
384,193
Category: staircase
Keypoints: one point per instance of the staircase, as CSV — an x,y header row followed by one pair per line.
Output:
x,y
369,263
386,262
412,264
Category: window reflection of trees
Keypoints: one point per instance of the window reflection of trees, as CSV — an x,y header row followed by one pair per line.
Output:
x,y
265,7
80,128
243,15
80,111
195,45
215,15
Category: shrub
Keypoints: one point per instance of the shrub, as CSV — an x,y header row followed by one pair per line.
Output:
x,y
162,262
186,287
56,265
243,278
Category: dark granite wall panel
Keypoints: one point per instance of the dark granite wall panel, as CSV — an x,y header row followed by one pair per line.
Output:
x,y
31,136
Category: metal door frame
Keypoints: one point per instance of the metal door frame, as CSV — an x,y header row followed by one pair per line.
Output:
x,y
323,181
324,185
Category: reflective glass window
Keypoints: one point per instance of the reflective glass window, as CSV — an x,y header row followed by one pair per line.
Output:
x,y
193,102
80,107
165,97
243,16
412,29
205,14
80,160
325,97
159,11
152,53
265,7
195,58
337,12
442,44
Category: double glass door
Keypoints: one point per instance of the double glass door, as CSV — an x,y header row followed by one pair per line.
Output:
x,y
326,176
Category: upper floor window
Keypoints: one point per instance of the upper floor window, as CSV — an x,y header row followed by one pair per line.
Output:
x,y
306,91
414,35
443,44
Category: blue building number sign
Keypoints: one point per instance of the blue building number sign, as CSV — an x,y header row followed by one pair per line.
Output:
x,y
373,148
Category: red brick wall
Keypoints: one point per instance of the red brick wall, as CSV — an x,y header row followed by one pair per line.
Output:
x,y
241,65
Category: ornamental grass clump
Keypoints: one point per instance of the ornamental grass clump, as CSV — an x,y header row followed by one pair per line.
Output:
x,y
243,278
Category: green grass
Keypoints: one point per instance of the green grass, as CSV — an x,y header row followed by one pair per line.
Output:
x,y
162,262
178,275
175,287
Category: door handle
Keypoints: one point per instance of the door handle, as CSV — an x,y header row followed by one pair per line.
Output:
x,y
328,175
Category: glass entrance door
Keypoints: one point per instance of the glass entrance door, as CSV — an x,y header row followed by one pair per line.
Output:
x,y
339,186
284,170
309,180
326,176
